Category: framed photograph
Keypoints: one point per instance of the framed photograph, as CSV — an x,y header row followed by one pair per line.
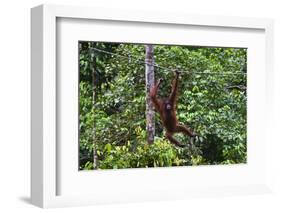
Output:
x,y
129,106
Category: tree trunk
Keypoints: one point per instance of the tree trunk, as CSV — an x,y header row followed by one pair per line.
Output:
x,y
95,156
149,77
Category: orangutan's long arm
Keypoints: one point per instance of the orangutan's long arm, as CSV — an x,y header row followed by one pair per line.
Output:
x,y
173,95
153,95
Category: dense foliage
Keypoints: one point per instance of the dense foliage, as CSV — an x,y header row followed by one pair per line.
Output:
x,y
212,101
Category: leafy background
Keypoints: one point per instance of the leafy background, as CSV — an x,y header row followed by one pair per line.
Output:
x,y
112,106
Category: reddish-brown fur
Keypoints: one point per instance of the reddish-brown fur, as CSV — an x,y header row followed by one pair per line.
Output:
x,y
166,107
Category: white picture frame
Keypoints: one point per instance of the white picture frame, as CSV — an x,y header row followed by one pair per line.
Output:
x,y
45,178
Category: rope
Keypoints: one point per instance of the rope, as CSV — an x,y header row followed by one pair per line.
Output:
x,y
140,61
